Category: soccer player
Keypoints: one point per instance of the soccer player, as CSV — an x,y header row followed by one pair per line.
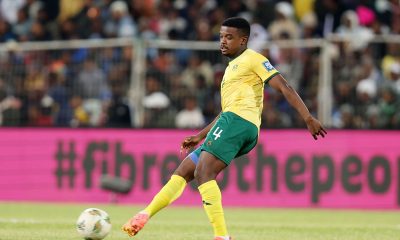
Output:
x,y
233,132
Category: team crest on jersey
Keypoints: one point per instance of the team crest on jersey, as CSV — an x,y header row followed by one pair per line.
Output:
x,y
234,67
268,66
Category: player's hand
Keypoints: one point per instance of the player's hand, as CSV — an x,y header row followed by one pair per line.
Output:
x,y
190,142
315,127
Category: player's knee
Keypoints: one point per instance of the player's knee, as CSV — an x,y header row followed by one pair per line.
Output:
x,y
188,176
196,174
186,170
203,175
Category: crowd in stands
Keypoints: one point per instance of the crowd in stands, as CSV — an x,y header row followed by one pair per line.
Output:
x,y
89,87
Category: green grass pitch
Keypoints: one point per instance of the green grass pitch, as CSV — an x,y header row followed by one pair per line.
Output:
x,y
40,221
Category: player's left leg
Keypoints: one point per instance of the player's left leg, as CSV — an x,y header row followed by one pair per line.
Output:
x,y
169,193
230,137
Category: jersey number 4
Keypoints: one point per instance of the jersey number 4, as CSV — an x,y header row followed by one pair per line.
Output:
x,y
217,133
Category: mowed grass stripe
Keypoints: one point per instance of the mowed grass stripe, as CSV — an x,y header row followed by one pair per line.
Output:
x,y
41,221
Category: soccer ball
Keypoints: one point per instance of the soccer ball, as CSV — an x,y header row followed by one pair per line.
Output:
x,y
93,224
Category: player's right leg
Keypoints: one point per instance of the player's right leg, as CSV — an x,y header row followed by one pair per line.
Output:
x,y
169,193
173,188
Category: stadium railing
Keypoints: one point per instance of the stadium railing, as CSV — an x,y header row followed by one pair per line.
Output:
x,y
180,68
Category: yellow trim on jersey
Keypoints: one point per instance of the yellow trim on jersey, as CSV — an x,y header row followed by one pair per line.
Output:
x,y
242,87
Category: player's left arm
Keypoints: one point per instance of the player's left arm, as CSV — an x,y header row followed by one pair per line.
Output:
x,y
313,125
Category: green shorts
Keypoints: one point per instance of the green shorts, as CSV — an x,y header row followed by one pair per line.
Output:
x,y
230,137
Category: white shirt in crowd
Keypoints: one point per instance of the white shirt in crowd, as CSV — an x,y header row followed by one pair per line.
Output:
x,y
190,118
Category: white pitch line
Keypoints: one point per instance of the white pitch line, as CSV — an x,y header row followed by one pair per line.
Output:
x,y
19,220
30,221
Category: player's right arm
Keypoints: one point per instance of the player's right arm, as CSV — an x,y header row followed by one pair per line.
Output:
x,y
192,141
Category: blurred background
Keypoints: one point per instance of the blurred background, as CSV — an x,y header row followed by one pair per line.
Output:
x,y
97,95
156,63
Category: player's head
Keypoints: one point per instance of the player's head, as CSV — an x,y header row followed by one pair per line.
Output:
x,y
234,34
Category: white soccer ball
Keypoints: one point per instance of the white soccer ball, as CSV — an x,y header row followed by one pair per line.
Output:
x,y
93,224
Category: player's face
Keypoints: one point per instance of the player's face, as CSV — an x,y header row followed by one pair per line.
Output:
x,y
231,41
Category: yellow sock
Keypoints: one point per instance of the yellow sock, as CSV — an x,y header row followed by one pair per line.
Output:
x,y
169,193
212,203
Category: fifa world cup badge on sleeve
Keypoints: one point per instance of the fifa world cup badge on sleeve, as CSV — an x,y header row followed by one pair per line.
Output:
x,y
268,66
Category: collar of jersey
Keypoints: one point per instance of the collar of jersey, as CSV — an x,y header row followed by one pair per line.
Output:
x,y
233,60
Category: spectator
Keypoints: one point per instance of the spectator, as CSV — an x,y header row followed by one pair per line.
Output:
x,y
80,117
94,90
40,110
121,24
329,13
370,78
5,32
284,22
23,25
92,82
366,92
395,18
217,16
392,55
67,30
178,91
258,36
309,26
388,107
203,31
235,8
196,67
9,9
96,27
119,112
273,118
9,107
302,8
202,91
39,33
69,9
393,81
166,62
291,66
83,19
156,103
357,35
344,93
190,116
59,93
373,118
171,21
344,118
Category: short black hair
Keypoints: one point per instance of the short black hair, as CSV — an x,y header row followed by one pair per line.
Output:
x,y
240,23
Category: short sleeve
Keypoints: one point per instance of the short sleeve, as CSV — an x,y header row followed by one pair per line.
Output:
x,y
263,68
